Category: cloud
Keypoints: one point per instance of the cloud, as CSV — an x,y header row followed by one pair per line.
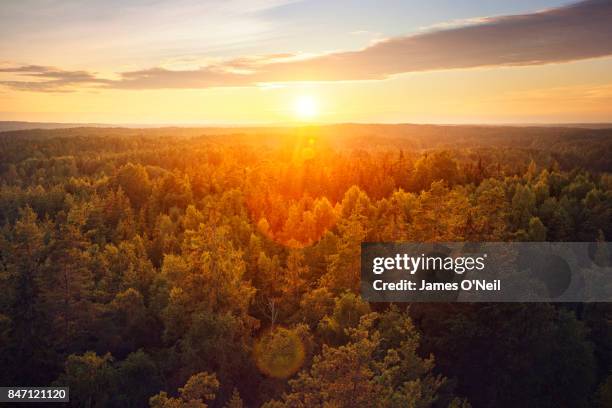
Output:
x,y
578,31
48,79
574,32
598,94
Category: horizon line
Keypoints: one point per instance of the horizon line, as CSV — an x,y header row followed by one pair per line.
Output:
x,y
153,125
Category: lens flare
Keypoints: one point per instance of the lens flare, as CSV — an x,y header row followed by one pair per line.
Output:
x,y
279,353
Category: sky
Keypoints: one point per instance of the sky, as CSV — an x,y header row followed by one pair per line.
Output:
x,y
239,62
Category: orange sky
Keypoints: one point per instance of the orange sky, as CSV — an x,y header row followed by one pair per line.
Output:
x,y
546,65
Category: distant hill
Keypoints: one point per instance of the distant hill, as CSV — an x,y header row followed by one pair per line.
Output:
x,y
8,126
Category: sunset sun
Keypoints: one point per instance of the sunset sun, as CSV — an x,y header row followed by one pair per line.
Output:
x,y
305,107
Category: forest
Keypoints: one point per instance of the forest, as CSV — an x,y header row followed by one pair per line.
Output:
x,y
220,267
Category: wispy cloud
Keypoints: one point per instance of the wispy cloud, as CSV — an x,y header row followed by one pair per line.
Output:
x,y
579,31
48,79
600,94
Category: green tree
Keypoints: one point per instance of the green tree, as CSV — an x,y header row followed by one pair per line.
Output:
x,y
523,206
344,265
537,230
91,379
348,310
364,374
198,390
134,180
604,394
235,401
29,331
137,378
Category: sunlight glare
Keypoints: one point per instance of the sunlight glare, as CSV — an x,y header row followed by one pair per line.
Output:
x,y
305,107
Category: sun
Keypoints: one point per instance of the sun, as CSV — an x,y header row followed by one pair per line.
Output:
x,y
305,107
